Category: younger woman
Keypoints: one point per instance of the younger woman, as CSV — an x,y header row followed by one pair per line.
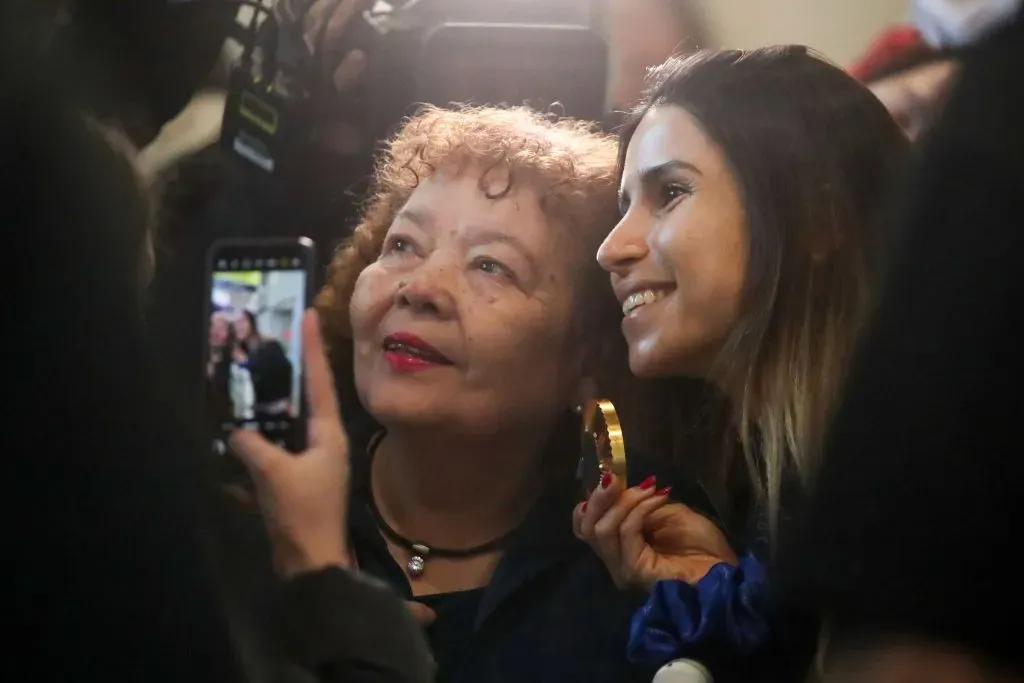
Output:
x,y
752,185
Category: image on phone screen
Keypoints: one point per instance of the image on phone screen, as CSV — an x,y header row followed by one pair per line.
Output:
x,y
254,360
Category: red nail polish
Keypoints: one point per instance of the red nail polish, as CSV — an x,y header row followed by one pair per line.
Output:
x,y
584,508
606,480
663,492
648,483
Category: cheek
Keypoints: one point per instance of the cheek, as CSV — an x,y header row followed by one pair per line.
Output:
x,y
521,343
705,250
371,298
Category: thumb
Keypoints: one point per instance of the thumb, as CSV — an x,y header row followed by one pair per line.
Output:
x,y
256,453
423,614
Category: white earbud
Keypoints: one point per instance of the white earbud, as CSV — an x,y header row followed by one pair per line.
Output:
x,y
683,671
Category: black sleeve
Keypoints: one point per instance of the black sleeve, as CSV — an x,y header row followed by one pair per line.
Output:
x,y
101,475
348,629
917,513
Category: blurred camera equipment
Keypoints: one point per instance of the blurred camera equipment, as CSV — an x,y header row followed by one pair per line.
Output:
x,y
541,54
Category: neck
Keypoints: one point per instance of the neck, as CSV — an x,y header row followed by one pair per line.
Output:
x,y
456,491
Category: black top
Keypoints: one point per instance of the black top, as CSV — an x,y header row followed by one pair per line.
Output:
x,y
451,634
919,507
550,613
271,372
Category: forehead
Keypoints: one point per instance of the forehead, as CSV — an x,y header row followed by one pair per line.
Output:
x,y
669,133
460,205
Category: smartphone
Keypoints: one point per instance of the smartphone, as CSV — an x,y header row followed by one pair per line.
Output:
x,y
257,293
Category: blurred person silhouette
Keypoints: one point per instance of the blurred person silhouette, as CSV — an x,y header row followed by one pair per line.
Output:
x,y
909,76
267,365
908,545
641,35
911,68
116,576
221,400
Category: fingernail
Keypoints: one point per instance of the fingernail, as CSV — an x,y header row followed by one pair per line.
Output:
x,y
584,508
663,492
648,483
606,480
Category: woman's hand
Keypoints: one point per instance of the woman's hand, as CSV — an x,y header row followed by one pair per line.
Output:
x,y
304,498
323,23
421,612
644,537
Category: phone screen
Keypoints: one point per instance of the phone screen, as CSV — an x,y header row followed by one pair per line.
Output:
x,y
258,293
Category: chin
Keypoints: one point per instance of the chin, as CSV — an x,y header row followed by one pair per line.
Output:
x,y
401,408
655,362
647,365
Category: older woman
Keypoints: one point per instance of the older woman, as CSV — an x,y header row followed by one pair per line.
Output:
x,y
743,266
456,316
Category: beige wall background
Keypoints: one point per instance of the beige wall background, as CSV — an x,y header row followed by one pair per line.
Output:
x,y
840,29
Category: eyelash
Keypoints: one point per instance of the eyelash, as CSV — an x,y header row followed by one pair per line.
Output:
x,y
399,244
682,190
665,200
502,269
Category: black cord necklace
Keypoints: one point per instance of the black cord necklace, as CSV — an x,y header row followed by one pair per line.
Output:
x,y
421,551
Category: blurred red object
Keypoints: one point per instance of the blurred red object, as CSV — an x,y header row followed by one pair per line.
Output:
x,y
895,45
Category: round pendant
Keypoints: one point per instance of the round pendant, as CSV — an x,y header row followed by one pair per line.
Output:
x,y
415,566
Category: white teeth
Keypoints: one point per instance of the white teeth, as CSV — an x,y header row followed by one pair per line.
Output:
x,y
641,298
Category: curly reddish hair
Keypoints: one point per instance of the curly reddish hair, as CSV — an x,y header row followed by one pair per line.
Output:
x,y
571,167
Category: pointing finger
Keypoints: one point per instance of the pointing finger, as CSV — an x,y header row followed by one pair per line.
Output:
x,y
601,500
423,614
324,412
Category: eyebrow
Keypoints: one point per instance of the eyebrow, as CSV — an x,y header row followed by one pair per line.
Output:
x,y
478,234
418,219
652,175
482,234
668,167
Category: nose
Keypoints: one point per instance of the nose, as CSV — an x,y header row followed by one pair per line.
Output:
x,y
626,244
427,290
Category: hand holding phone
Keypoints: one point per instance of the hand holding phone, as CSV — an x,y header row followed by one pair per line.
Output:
x,y
304,498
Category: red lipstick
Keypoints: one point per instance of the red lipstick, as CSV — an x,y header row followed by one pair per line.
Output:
x,y
405,352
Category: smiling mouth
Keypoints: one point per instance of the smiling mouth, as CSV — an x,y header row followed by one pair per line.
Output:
x,y
642,298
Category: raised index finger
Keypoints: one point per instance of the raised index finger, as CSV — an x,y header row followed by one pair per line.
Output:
x,y
320,394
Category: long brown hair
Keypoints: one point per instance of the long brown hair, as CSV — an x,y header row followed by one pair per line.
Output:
x,y
815,155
